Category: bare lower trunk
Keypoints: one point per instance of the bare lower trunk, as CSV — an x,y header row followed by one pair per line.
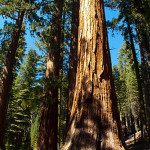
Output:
x,y
6,78
73,54
48,130
94,120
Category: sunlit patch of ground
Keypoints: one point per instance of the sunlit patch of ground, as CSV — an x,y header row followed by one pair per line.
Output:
x,y
136,143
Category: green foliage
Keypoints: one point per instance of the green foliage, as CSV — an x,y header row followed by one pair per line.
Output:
x,y
24,98
62,109
126,82
132,11
11,8
34,130
5,43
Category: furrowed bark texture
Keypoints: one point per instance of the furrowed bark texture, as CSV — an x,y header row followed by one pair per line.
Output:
x,y
48,130
73,54
94,120
6,78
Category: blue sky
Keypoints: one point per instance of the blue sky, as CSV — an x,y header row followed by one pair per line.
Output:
x,y
115,41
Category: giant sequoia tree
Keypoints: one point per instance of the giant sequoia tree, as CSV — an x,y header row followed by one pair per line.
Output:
x,y
94,115
49,112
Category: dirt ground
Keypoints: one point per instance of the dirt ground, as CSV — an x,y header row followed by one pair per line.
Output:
x,y
136,143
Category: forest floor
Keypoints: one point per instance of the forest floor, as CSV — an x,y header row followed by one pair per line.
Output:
x,y
139,144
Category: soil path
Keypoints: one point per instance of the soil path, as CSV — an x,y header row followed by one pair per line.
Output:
x,y
134,142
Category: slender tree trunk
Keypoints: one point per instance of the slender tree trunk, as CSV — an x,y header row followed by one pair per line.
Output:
x,y
125,124
143,39
141,99
73,54
128,125
61,75
48,130
6,78
146,46
94,120
132,124
144,75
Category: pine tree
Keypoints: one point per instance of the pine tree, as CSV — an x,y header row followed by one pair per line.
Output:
x,y
15,10
141,99
21,97
127,89
143,45
131,16
120,87
7,74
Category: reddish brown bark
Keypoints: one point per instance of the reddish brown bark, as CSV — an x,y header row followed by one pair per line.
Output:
x,y
6,78
94,120
48,130
73,54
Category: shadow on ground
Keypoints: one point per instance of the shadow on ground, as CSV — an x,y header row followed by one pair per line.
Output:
x,y
140,144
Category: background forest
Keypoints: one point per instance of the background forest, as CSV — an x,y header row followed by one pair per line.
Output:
x,y
20,114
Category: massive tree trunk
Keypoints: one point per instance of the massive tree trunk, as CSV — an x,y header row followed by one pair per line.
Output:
x,y
6,78
141,99
48,130
94,120
73,54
